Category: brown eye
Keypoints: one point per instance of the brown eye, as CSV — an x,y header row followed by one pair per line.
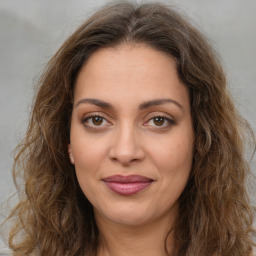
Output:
x,y
159,121
97,120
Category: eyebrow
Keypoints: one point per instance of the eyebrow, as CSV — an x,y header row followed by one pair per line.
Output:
x,y
157,102
144,105
99,103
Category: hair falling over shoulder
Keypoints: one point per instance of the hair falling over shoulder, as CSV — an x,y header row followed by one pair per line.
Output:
x,y
54,218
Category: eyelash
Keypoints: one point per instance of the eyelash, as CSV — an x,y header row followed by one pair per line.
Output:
x,y
169,121
85,120
165,118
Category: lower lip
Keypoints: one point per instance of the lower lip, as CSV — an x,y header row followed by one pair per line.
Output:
x,y
127,189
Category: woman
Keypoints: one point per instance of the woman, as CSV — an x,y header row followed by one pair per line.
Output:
x,y
134,146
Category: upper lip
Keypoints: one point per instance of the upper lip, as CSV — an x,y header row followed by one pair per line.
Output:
x,y
127,179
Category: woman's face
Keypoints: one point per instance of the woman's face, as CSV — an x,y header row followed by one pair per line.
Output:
x,y
132,136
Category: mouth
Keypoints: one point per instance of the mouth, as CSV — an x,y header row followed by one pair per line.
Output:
x,y
127,185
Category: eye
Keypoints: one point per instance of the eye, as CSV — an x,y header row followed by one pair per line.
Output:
x,y
160,122
95,121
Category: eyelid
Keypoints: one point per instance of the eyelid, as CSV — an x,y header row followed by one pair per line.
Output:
x,y
159,114
171,121
91,115
167,117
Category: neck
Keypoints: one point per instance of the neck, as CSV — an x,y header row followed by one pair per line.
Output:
x,y
121,240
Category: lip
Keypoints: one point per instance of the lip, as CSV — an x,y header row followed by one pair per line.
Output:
x,y
127,185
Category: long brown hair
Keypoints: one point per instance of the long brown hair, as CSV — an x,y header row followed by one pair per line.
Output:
x,y
54,217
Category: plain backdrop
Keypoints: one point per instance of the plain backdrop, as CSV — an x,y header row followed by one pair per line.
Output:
x,y
31,31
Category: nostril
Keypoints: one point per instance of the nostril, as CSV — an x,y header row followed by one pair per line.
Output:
x,y
126,158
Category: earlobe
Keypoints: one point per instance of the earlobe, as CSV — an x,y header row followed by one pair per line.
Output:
x,y
71,158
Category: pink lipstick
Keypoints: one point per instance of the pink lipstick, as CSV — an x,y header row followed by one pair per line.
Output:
x,y
127,185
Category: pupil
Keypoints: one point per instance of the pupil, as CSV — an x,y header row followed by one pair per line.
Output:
x,y
159,121
97,120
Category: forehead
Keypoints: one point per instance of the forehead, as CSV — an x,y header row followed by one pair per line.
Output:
x,y
136,71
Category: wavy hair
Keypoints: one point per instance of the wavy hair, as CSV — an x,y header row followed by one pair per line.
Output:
x,y
54,218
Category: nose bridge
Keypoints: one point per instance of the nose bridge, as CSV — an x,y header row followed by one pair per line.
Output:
x,y
126,144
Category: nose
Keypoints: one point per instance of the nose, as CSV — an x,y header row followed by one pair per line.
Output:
x,y
126,146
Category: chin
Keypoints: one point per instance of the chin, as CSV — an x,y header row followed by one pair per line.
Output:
x,y
128,214
133,219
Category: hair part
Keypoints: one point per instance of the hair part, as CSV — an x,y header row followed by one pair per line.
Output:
x,y
215,216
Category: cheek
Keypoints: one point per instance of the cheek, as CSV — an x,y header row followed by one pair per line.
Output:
x,y
173,155
87,150
88,158
88,162
173,158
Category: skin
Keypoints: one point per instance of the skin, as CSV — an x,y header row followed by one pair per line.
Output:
x,y
128,139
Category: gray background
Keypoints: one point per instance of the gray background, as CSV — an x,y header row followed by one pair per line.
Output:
x,y
31,31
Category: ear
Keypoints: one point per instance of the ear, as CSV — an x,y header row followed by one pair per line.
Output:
x,y
70,154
